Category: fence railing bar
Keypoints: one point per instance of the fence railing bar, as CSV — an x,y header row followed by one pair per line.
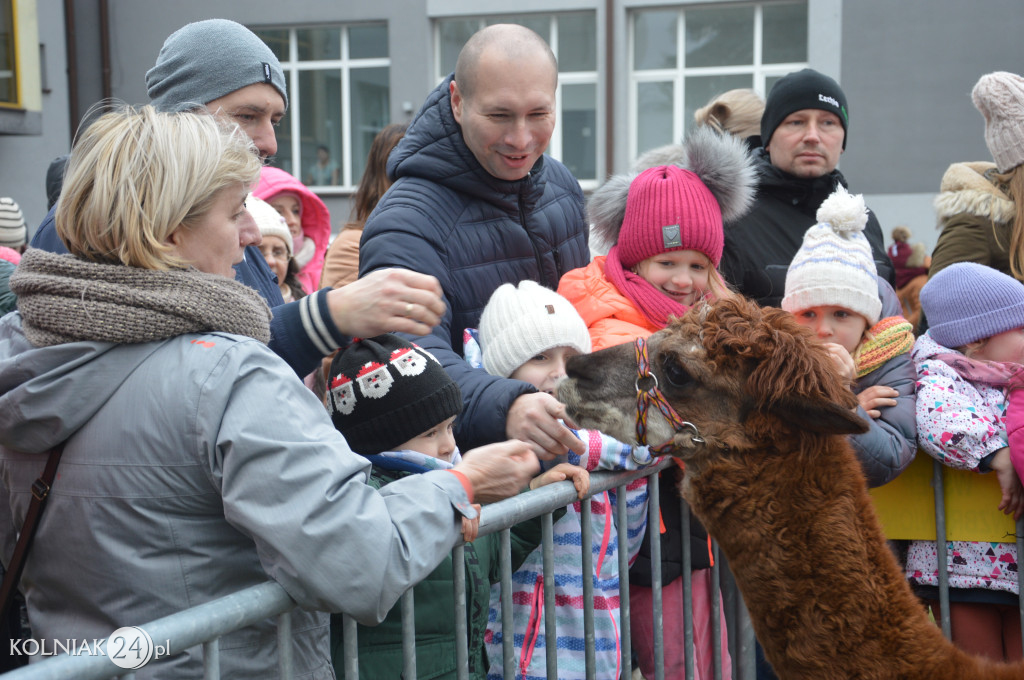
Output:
x,y
716,612
350,643
687,589
625,630
939,490
550,630
587,571
507,639
654,521
408,610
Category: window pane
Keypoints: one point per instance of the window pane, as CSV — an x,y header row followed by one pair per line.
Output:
x,y
719,36
277,39
368,42
577,42
319,43
321,118
283,132
785,33
541,25
699,90
370,112
453,35
654,115
654,40
579,130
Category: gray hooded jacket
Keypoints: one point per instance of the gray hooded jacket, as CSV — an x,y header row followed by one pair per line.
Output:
x,y
195,467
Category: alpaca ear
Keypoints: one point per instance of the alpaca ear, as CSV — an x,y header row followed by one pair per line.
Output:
x,y
818,416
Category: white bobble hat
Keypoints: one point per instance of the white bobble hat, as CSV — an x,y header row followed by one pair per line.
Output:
x,y
834,266
521,322
269,221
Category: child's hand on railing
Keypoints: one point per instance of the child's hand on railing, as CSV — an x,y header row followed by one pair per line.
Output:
x,y
579,476
471,527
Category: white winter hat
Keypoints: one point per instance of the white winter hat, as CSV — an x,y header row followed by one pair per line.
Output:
x,y
834,267
519,323
1000,98
269,221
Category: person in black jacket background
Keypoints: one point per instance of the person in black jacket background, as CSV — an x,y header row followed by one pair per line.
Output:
x,y
803,133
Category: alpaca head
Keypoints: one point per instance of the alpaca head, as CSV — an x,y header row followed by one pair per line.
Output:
x,y
744,376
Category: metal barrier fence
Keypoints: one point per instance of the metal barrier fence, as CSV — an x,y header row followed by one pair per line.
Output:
x,y
203,625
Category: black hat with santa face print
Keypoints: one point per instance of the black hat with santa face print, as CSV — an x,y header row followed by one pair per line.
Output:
x,y
383,391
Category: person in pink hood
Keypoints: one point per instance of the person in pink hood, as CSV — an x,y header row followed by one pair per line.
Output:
x,y
307,217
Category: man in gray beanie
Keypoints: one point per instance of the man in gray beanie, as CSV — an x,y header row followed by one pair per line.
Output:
x,y
804,130
222,66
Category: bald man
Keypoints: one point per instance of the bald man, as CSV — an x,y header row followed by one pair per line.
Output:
x,y
476,204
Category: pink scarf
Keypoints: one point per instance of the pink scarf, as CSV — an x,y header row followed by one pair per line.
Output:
x,y
652,303
994,373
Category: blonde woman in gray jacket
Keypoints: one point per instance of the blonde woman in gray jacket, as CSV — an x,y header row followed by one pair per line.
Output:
x,y
195,462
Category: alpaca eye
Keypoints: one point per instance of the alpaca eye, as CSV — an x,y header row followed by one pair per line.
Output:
x,y
675,374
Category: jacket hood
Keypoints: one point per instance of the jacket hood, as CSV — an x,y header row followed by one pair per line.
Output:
x,y
969,188
47,393
316,219
926,347
433,148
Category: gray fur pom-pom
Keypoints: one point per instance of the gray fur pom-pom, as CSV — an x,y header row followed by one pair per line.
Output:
x,y
723,163
606,209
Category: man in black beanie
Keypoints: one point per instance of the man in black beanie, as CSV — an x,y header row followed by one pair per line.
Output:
x,y
803,132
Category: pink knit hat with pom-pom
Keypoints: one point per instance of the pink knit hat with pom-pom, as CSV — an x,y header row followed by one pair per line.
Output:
x,y
669,208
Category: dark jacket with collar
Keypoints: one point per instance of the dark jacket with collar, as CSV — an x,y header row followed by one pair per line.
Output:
x,y
446,216
760,245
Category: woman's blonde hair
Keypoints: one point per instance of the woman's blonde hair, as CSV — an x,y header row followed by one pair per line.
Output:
x,y
1013,183
736,112
136,174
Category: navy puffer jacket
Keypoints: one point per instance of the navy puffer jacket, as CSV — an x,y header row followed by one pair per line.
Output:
x,y
447,216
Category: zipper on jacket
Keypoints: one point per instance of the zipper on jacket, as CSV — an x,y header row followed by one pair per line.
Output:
x,y
536,251
532,626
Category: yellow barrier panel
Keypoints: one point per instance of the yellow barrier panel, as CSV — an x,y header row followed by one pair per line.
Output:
x,y
906,505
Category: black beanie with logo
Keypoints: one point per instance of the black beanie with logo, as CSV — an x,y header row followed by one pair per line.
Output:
x,y
806,89
383,391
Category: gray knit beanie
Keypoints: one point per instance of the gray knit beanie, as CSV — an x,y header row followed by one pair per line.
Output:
x,y
1000,98
968,301
206,60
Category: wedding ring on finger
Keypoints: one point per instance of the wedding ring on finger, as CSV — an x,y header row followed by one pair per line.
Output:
x,y
408,309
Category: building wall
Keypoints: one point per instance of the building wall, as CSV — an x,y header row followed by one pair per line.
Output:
x,y
907,69
26,157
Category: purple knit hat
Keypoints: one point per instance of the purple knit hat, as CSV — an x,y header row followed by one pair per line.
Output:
x,y
967,301
669,208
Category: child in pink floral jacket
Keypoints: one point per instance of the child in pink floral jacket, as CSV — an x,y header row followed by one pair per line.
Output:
x,y
967,362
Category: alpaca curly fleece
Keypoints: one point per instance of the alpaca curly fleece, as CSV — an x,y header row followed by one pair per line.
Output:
x,y
775,481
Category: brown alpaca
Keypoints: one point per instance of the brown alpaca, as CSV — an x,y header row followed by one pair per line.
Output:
x,y
771,475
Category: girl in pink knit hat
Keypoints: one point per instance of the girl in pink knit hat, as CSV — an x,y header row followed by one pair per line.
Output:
x,y
665,227
307,217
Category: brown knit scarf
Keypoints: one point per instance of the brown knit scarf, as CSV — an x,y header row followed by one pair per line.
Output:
x,y
65,299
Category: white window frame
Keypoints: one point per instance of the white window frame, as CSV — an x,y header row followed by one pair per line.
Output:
x,y
677,76
293,67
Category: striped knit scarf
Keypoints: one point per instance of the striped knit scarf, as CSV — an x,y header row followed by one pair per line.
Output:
x,y
66,299
889,338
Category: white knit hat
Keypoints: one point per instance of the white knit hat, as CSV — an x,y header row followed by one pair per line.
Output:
x,y
519,323
13,232
270,222
1000,98
834,267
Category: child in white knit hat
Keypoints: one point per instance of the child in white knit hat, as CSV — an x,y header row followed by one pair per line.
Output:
x,y
528,332
833,289
276,247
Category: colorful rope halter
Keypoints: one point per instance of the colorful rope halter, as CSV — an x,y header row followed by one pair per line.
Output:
x,y
645,397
